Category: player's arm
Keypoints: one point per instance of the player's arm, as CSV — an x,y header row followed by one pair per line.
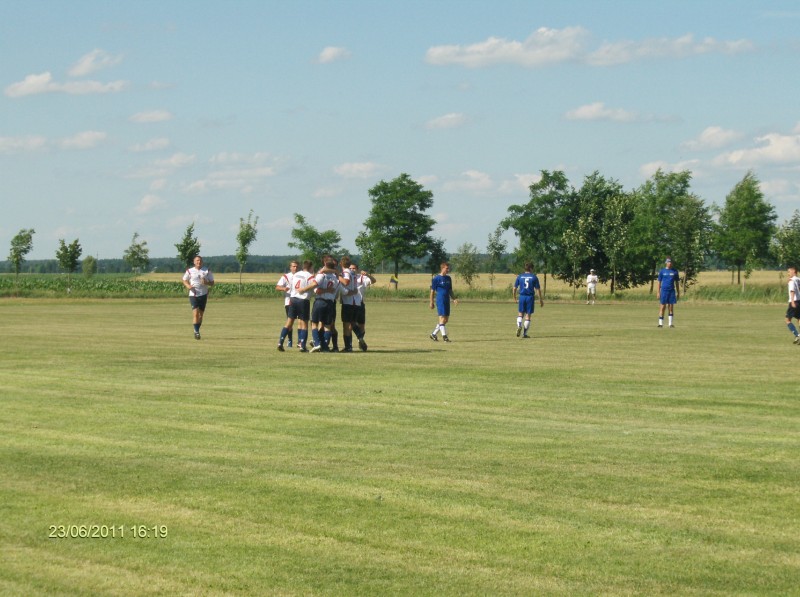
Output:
x,y
312,283
433,294
541,300
453,296
368,275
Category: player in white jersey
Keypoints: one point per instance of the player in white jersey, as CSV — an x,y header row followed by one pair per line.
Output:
x,y
793,310
364,281
300,305
591,286
325,284
285,286
198,280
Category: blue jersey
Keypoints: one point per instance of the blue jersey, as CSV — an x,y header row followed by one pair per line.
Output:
x,y
668,278
527,283
442,285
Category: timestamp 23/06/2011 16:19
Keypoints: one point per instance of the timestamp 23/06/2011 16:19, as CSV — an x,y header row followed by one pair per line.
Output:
x,y
108,531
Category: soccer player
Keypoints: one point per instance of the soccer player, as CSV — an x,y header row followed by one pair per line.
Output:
x,y
198,280
323,312
300,305
285,286
365,280
793,310
528,285
442,292
348,290
668,292
591,287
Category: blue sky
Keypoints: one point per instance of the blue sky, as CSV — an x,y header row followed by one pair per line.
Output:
x,y
123,117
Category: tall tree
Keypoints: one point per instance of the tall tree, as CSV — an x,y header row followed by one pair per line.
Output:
x,y
436,255
189,247
539,224
68,256
465,262
137,255
397,226
89,266
495,249
786,242
369,261
618,216
248,231
21,245
745,226
312,243
691,236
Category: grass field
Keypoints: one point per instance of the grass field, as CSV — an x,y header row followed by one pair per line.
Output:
x,y
602,457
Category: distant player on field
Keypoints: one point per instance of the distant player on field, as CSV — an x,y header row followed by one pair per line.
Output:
x,y
591,287
285,286
793,310
668,292
442,292
198,280
527,284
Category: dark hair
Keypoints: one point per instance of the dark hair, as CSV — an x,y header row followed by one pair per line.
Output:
x,y
528,266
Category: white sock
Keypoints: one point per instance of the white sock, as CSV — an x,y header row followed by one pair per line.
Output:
x,y
435,330
444,331
527,324
519,322
670,319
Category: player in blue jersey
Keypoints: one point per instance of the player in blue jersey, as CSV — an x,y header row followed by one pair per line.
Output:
x,y
442,292
527,284
668,292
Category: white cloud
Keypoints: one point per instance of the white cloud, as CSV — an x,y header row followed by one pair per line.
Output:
x,y
775,148
647,170
519,184
712,137
148,203
473,181
427,180
93,61
599,111
151,116
622,52
43,83
543,47
178,160
332,54
240,158
84,140
158,184
22,144
327,192
448,121
546,47
151,145
358,169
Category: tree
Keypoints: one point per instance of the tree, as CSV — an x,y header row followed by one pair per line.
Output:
x,y
436,255
312,243
617,219
540,223
137,255
576,248
397,226
691,235
68,256
745,226
21,245
368,260
786,242
189,247
89,266
495,249
247,234
465,262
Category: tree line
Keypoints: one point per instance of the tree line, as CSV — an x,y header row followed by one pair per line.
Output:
x,y
623,235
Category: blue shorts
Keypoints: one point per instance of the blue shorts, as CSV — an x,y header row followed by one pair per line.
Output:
x,y
668,298
443,306
299,309
198,302
526,303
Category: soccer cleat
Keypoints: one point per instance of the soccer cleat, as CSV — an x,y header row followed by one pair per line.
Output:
x,y
197,335
445,338
434,338
661,325
519,331
289,344
280,347
362,345
348,349
525,336
672,325
302,348
316,348
797,339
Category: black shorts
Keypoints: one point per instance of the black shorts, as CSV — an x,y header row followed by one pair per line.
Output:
x,y
349,313
793,312
324,311
361,315
198,302
299,309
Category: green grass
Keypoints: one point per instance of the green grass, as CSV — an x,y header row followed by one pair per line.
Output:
x,y
603,457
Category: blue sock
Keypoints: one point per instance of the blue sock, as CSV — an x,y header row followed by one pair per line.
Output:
x,y
792,329
326,340
284,331
315,337
196,327
302,336
290,338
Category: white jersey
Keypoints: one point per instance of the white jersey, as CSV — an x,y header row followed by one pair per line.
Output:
x,y
794,288
198,278
286,281
591,281
363,282
299,280
349,290
328,284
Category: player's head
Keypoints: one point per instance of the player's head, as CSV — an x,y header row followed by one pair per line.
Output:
x,y
293,265
444,267
330,263
198,261
792,271
354,267
345,262
668,262
308,265
528,266
591,271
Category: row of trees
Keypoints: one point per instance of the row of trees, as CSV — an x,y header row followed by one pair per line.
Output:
x,y
565,231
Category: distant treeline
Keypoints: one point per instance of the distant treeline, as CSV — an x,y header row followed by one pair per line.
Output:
x,y
223,264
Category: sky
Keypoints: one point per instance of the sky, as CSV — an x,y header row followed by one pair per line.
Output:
x,y
143,117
